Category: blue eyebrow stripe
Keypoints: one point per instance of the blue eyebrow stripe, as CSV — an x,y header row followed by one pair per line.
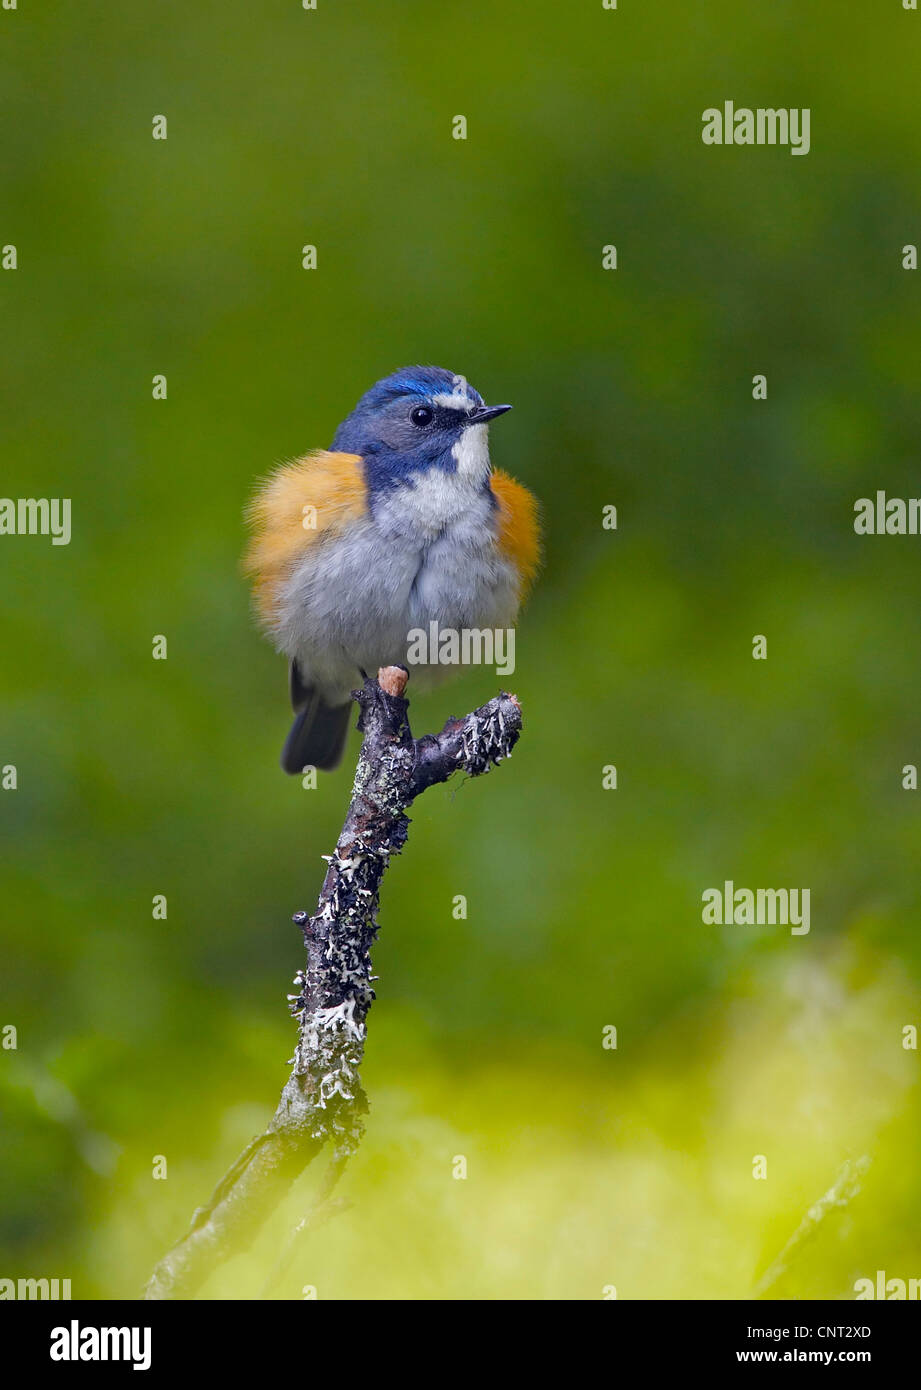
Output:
x,y
421,388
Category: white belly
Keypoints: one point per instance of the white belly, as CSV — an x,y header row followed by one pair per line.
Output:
x,y
427,554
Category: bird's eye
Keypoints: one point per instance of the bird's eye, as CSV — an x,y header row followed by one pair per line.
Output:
x,y
421,416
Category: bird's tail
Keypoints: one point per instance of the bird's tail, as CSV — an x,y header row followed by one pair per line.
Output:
x,y
317,736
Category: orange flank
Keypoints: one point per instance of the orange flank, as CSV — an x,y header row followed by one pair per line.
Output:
x,y
519,529
293,508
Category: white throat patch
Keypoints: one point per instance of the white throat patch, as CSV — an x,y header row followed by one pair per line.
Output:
x,y
471,453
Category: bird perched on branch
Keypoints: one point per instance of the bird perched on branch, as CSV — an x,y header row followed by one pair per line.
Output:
x,y
401,523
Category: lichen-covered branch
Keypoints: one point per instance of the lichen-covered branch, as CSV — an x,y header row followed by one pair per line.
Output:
x,y
322,1103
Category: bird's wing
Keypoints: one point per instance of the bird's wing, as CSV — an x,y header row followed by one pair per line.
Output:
x,y
292,510
300,693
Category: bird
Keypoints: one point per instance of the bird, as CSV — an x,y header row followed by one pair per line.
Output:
x,y
402,522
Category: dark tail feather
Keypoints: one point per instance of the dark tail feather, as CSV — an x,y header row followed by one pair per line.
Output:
x,y
317,736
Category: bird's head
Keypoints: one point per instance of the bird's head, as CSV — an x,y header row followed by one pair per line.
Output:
x,y
417,419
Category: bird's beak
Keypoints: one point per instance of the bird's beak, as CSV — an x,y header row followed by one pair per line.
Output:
x,y
481,413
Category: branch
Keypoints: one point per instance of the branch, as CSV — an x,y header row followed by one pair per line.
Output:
x,y
322,1102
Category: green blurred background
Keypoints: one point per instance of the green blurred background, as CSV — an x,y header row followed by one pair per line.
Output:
x,y
138,1037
